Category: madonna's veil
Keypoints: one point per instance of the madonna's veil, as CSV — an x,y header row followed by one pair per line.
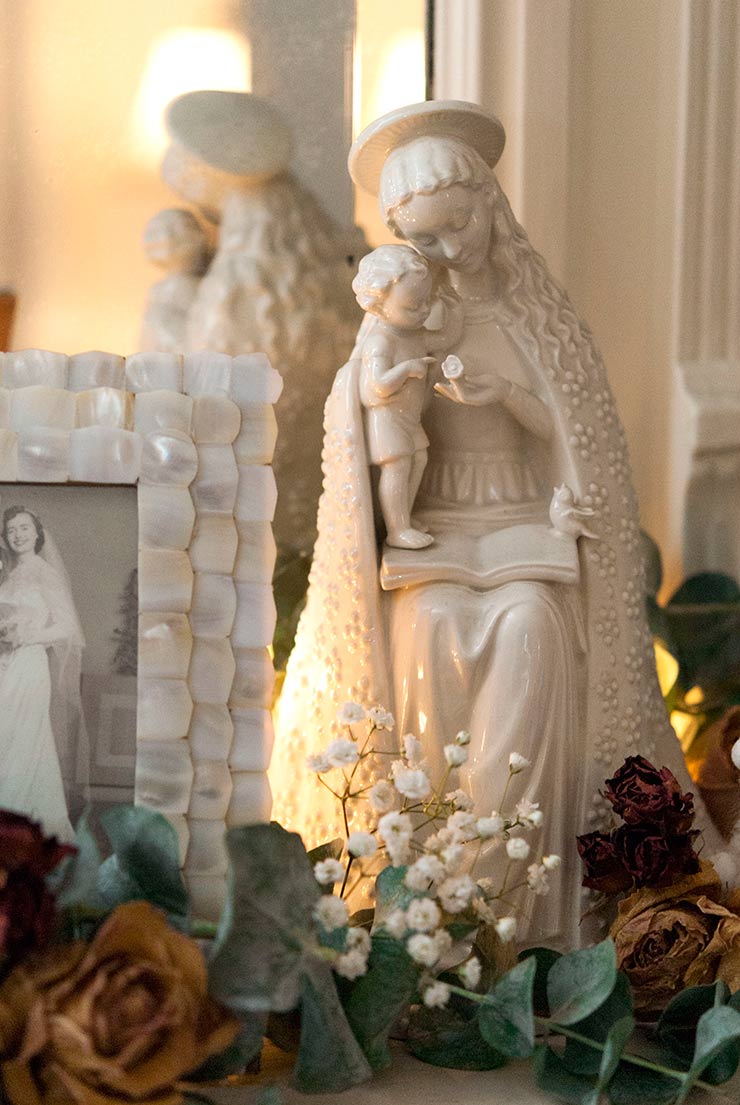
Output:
x,y
65,668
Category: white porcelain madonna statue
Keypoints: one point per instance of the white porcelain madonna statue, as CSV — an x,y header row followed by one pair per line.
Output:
x,y
523,631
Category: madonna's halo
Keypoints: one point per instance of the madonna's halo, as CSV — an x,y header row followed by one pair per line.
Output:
x,y
454,118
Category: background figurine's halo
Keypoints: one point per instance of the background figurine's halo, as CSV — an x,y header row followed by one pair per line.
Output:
x,y
453,118
234,132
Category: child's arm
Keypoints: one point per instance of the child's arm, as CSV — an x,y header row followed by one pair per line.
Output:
x,y
383,377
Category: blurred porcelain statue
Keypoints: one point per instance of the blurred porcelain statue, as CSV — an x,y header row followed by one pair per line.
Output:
x,y
514,623
278,281
176,242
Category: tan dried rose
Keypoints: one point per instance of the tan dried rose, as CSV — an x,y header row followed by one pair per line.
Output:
x,y
678,936
119,1019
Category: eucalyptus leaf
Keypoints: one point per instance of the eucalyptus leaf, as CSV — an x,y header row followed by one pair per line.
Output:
x,y
676,1030
578,983
332,849
614,1045
544,958
77,877
706,589
329,1057
145,862
265,954
391,892
261,945
290,584
717,1028
380,996
238,1055
554,1077
633,1085
703,620
582,1059
653,562
445,1038
506,1017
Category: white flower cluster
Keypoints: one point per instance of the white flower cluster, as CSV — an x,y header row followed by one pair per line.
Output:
x,y
439,869
332,914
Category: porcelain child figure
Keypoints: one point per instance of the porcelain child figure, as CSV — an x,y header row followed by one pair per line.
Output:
x,y
395,284
530,636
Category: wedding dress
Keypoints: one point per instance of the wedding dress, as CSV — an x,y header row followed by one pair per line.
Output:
x,y
37,682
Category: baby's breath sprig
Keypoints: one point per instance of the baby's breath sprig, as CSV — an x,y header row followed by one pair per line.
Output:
x,y
435,838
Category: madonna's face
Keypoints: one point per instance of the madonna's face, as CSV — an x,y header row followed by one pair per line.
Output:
x,y
452,226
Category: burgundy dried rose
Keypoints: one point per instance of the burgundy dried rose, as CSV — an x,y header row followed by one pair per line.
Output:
x,y
604,866
654,858
641,793
27,911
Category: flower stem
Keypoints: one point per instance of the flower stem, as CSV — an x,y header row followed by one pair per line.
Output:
x,y
555,1029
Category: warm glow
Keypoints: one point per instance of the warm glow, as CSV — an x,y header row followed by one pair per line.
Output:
x,y
686,726
184,60
398,77
667,666
389,71
694,696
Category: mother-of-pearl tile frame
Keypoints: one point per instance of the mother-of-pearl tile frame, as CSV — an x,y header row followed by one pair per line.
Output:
x,y
196,434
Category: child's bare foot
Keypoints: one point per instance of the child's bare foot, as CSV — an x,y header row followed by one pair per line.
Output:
x,y
409,539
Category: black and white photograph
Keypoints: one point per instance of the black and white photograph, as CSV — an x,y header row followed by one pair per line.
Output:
x,y
68,648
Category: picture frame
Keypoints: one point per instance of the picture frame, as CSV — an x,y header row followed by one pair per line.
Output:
x,y
195,435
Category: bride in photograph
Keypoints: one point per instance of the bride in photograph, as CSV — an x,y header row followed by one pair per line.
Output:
x,y
41,643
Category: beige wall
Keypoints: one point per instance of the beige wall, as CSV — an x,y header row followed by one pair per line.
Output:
x,y
592,85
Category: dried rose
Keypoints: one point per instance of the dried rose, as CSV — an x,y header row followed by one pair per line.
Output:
x,y
118,1020
639,793
654,858
677,937
604,866
27,911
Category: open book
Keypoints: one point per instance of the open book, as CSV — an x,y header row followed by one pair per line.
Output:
x,y
526,551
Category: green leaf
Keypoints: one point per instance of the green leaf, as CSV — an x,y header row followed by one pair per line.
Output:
x,y
77,877
676,1030
260,948
265,956
631,1085
506,1018
445,1038
544,958
578,983
380,996
392,893
552,1075
145,862
717,1028
703,620
582,1059
238,1055
290,584
706,588
329,1057
614,1045
331,850
653,564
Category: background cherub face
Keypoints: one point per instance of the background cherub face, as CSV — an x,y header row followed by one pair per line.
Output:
x,y
408,301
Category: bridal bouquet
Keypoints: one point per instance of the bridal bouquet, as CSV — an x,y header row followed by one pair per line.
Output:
x,y
388,933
